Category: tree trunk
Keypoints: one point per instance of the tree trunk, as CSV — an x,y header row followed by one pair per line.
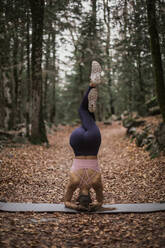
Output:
x,y
156,56
46,86
94,35
54,80
141,107
108,59
28,77
15,77
2,42
6,80
94,18
2,103
38,132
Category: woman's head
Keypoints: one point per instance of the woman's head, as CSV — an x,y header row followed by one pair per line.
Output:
x,y
84,200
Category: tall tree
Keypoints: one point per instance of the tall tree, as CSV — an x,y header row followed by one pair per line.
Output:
x,y
156,55
106,5
28,73
38,131
6,77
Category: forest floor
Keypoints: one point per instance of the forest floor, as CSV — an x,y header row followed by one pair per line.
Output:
x,y
32,173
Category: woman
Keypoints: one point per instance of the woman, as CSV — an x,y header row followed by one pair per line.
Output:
x,y
85,141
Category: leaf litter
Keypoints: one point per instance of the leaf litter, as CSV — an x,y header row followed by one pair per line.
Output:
x,y
32,173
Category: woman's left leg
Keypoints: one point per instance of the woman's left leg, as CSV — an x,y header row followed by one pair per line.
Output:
x,y
86,140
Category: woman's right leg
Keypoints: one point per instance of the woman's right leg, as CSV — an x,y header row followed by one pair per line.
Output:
x,y
87,118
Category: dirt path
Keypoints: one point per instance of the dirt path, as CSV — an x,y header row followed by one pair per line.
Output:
x,y
39,174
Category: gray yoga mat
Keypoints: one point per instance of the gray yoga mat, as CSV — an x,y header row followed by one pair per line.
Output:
x,y
46,207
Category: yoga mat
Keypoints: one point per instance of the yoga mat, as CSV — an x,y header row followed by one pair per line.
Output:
x,y
46,207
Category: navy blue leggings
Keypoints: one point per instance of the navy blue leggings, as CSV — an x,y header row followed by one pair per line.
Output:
x,y
86,140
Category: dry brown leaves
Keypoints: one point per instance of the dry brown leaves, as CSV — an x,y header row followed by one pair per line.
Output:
x,y
39,174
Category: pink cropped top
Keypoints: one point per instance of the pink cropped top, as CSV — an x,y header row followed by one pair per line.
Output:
x,y
85,164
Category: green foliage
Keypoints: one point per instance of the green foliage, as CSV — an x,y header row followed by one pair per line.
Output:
x,y
132,64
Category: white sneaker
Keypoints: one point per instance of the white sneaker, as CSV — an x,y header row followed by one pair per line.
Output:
x,y
92,99
95,73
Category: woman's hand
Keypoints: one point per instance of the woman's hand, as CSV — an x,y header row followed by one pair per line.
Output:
x,y
94,206
75,206
82,208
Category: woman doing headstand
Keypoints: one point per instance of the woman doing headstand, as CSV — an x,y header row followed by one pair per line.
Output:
x,y
85,141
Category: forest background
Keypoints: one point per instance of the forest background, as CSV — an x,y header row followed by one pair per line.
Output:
x,y
46,50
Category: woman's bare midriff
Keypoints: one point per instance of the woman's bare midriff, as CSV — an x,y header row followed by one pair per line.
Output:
x,y
86,157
